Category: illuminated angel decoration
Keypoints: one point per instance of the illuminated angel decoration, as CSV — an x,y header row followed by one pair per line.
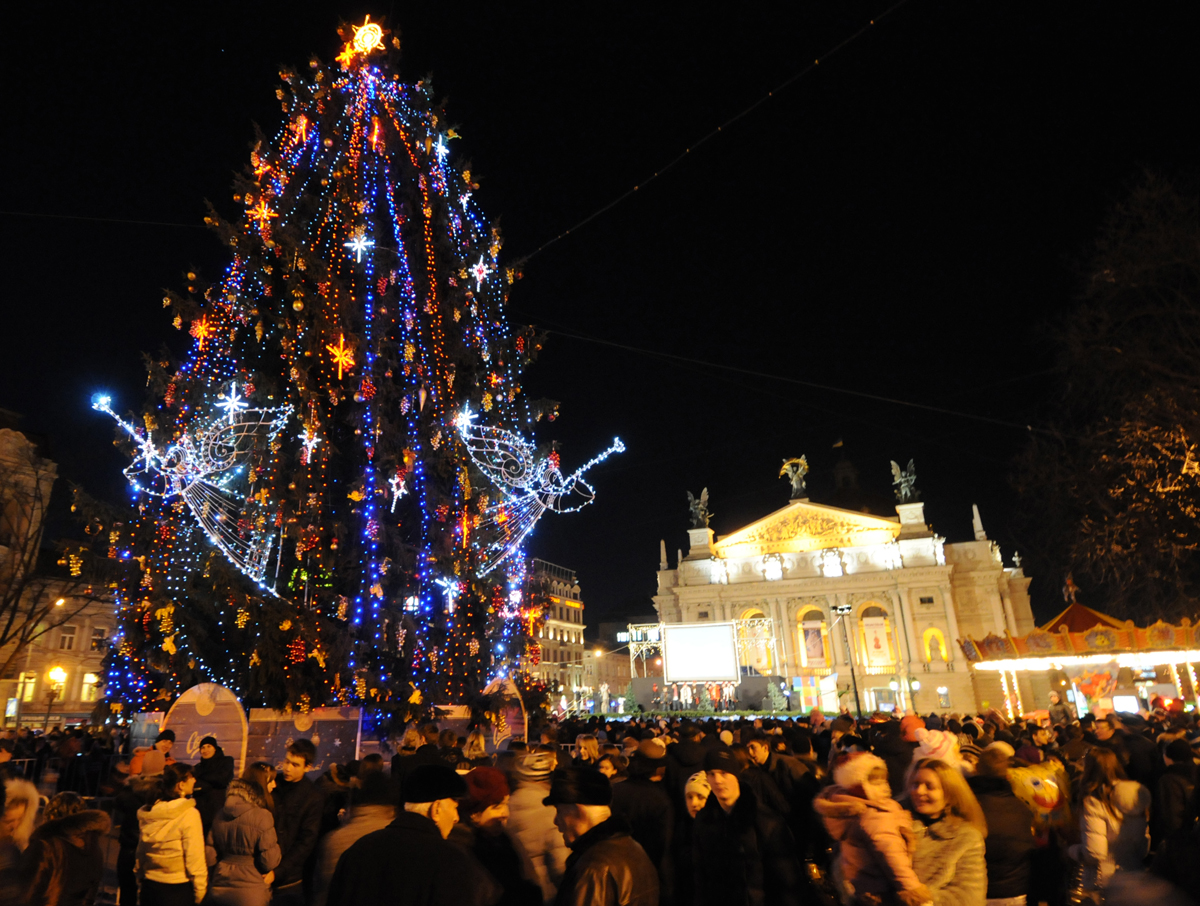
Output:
x,y
207,470
528,485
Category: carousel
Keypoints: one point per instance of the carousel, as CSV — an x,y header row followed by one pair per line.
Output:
x,y
1096,662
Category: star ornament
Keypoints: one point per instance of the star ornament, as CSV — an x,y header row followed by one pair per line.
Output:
x,y
480,272
263,215
358,245
367,37
343,355
232,403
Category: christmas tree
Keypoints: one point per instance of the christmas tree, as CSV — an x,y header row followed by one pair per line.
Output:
x,y
333,486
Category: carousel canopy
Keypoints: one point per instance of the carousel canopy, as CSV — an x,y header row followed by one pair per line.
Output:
x,y
1080,635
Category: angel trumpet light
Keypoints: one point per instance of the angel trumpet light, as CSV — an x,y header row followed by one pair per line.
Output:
x,y
528,486
205,468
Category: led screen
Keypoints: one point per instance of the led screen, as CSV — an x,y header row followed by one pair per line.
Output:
x,y
1126,703
699,652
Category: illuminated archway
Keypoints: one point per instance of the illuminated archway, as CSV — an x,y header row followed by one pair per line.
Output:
x,y
933,643
877,639
757,646
813,638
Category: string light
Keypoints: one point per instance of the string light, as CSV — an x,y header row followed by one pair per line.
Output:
x,y
359,164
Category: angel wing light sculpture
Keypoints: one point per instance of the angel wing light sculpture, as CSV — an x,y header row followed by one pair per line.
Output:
x,y
528,486
207,470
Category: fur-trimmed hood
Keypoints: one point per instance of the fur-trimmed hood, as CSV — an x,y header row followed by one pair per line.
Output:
x,y
242,791
74,827
23,791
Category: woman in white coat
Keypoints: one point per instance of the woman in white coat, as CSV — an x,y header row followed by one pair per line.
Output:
x,y
170,854
1114,820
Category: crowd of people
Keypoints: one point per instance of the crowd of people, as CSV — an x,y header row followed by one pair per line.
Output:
x,y
881,811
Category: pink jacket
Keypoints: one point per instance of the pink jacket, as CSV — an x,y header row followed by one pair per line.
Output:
x,y
875,844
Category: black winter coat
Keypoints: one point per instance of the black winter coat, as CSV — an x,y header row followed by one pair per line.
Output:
x,y
409,864
1010,842
683,760
607,867
496,854
647,810
297,825
1173,804
744,858
213,776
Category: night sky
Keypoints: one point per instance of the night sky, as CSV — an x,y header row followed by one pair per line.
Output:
x,y
905,221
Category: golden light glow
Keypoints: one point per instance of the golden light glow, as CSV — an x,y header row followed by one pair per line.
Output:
x,y
58,675
202,330
800,527
367,37
262,214
343,356
60,602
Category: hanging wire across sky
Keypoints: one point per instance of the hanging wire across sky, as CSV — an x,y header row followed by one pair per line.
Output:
x,y
786,83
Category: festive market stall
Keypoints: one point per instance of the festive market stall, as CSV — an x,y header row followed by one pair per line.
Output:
x,y
1096,662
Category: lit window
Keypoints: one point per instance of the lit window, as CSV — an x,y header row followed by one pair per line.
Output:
x,y
66,638
99,639
92,687
943,694
25,686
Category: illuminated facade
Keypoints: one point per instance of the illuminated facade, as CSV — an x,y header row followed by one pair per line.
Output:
x,y
561,636
829,599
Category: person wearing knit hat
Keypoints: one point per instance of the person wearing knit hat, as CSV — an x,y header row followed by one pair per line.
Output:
x,y
1174,788
873,832
213,772
643,802
733,824
531,825
909,725
696,792
937,744
605,856
481,832
486,802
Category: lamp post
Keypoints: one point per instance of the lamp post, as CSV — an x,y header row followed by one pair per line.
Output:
x,y
58,677
842,610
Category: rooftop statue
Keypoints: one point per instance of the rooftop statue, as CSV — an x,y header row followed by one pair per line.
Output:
x,y
796,470
905,482
698,509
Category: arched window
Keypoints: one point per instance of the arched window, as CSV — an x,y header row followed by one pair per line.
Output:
x,y
813,638
875,634
757,645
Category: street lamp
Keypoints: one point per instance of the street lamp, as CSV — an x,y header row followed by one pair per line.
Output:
x,y
58,677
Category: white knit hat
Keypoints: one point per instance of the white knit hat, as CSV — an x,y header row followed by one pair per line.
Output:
x,y
853,768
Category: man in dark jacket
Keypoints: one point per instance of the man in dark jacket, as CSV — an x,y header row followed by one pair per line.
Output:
x,y
744,854
1173,802
213,773
410,862
1060,712
1010,842
607,867
795,782
298,805
646,807
684,759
